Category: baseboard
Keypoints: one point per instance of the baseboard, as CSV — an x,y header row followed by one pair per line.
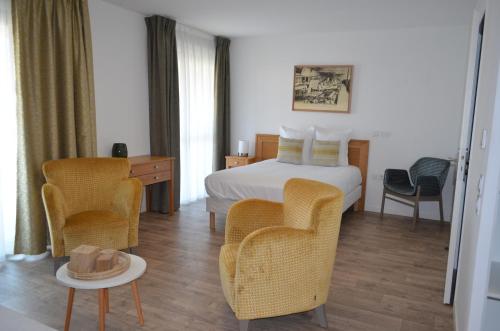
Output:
x,y
402,217
28,258
392,212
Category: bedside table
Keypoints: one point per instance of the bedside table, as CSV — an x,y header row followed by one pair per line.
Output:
x,y
238,161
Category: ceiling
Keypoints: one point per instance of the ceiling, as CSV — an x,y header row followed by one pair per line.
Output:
x,y
237,18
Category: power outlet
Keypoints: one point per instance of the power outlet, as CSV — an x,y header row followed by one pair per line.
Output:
x,y
378,177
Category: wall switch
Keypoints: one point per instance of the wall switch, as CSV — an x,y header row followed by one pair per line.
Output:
x,y
381,134
484,139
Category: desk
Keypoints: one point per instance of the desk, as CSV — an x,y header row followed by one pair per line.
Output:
x,y
151,170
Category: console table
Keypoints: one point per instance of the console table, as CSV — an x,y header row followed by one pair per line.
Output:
x,y
151,170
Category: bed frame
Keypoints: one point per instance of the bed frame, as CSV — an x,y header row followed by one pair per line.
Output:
x,y
266,147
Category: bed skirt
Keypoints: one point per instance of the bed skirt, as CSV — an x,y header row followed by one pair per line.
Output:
x,y
221,206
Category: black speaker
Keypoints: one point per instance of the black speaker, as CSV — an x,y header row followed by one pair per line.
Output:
x,y
119,150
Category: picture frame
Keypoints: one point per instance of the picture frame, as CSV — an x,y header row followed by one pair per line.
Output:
x,y
322,88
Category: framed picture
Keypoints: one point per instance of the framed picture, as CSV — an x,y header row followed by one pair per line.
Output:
x,y
324,88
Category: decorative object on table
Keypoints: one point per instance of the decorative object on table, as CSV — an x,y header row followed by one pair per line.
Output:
x,y
82,258
91,201
152,170
243,148
106,260
91,263
425,182
233,161
130,276
324,88
119,150
264,252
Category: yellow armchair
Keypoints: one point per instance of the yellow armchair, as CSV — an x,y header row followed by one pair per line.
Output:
x,y
278,257
91,201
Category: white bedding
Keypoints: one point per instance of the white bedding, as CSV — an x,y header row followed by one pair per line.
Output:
x,y
266,179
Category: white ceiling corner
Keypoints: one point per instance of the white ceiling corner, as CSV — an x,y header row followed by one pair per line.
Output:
x,y
238,18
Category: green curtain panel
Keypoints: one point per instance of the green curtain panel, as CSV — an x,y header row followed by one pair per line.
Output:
x,y
163,103
222,143
56,108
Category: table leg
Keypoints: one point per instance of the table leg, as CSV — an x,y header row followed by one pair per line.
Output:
x,y
106,299
148,198
102,309
69,308
171,207
135,292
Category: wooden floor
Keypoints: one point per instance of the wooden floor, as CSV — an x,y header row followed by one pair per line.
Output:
x,y
385,278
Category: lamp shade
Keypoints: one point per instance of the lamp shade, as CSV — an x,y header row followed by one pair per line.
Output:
x,y
243,148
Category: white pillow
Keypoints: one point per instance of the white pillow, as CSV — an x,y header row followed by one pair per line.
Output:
x,y
307,135
344,135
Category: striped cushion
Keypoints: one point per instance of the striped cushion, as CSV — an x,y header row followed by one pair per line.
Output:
x,y
290,150
325,153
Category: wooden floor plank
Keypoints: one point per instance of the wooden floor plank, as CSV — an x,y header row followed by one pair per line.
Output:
x,y
385,278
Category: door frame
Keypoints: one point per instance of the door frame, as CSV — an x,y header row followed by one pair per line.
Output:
x,y
464,148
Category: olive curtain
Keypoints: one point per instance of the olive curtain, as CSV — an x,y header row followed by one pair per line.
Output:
x,y
56,108
222,139
163,103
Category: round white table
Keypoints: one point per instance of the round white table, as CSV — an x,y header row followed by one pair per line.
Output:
x,y
136,270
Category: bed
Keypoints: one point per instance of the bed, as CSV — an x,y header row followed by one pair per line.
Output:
x,y
265,179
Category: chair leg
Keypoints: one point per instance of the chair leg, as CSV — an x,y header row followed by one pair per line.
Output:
x,y
244,325
415,209
441,218
319,316
212,221
383,205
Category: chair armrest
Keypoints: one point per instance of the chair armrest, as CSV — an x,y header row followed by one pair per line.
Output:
x,y
270,262
56,212
429,185
399,176
127,203
246,216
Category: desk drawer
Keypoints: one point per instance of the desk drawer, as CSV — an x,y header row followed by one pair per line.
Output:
x,y
158,177
149,168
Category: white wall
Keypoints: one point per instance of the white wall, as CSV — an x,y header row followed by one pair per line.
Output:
x,y
408,83
119,41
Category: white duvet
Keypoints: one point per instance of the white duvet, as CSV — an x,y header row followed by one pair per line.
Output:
x,y
266,179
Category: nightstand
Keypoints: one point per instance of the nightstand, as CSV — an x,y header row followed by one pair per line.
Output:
x,y
238,161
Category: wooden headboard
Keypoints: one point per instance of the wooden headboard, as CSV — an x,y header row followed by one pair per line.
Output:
x,y
266,147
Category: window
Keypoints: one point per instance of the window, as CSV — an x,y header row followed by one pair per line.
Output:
x,y
8,133
196,61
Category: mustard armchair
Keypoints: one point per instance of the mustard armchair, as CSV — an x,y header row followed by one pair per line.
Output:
x,y
278,257
91,201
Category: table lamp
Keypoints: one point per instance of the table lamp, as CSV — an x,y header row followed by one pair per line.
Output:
x,y
243,148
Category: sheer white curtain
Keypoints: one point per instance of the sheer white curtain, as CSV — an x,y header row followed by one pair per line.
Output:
x,y
196,59
8,133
